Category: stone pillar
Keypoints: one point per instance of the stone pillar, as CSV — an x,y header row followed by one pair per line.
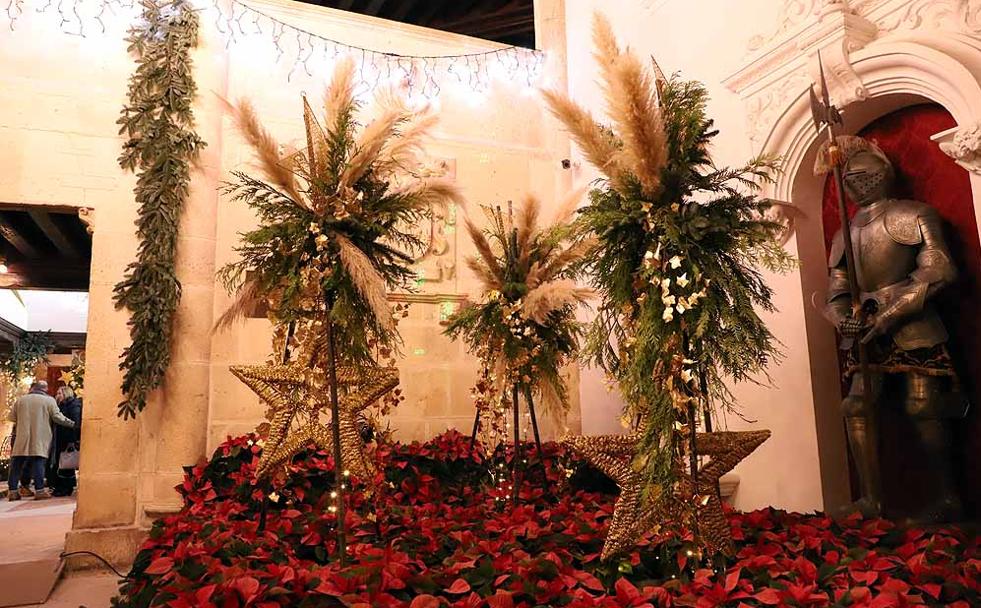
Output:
x,y
551,36
130,468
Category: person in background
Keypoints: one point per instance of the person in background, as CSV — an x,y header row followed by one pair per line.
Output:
x,y
63,480
32,416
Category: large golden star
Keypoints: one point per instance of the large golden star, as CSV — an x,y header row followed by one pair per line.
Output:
x,y
634,516
298,397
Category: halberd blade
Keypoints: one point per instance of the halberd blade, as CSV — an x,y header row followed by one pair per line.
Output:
x,y
818,111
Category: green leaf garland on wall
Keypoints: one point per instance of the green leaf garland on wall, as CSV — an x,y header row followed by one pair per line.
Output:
x,y
160,146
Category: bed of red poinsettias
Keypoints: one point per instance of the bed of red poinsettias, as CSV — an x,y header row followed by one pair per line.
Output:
x,y
435,532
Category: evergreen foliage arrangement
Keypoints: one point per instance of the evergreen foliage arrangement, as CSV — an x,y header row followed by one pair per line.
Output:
x,y
30,351
679,246
160,146
335,218
524,327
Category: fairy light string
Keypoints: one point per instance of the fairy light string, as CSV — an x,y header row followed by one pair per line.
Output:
x,y
306,52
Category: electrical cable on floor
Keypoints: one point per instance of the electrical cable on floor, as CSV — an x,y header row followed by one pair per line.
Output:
x,y
96,556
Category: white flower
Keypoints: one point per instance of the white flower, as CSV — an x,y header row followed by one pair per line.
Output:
x,y
675,262
669,300
665,284
683,280
273,497
682,305
668,315
687,375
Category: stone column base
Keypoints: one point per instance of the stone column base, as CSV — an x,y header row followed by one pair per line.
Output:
x,y
118,546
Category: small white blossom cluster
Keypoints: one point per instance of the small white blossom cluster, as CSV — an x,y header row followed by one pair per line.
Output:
x,y
676,301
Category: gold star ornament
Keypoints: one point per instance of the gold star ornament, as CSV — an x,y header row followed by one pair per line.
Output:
x,y
298,396
634,516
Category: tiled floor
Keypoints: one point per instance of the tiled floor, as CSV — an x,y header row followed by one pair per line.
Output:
x,y
34,530
32,536
84,590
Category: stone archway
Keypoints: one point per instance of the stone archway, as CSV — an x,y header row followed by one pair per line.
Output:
x,y
879,56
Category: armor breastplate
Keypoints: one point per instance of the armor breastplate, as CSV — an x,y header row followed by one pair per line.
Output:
x,y
890,250
880,261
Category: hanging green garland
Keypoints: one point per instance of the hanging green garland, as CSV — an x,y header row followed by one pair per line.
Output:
x,y
161,143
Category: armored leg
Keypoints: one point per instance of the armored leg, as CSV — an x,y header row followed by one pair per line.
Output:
x,y
926,405
861,420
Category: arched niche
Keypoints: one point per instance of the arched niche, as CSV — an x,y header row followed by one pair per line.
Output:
x,y
877,61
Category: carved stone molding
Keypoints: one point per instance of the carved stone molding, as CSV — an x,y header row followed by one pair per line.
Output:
x,y
436,263
951,15
87,215
963,144
784,61
795,16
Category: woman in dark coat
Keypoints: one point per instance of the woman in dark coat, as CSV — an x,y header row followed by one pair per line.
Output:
x,y
63,480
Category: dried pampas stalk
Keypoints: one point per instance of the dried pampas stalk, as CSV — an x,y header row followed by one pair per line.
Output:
x,y
534,277
567,207
598,146
484,274
402,152
485,251
551,296
433,192
246,299
553,406
606,50
266,149
369,283
526,221
574,253
632,102
315,154
340,94
370,143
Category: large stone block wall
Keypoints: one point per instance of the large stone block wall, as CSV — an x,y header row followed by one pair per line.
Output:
x,y
60,96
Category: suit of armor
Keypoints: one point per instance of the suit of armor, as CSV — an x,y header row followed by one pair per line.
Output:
x,y
901,263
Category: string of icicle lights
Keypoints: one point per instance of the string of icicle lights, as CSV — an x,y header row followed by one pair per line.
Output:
x,y
306,52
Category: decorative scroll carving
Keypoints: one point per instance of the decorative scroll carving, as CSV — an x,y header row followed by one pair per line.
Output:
x,y
763,109
952,15
963,145
889,15
437,261
87,215
793,14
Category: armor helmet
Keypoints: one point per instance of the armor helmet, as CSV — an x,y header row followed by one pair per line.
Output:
x,y
868,173
868,177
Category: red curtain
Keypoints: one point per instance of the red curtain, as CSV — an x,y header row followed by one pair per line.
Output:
x,y
927,174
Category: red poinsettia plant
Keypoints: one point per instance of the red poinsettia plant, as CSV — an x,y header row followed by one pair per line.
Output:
x,y
431,531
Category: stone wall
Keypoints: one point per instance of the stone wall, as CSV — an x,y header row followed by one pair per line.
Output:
x,y
60,96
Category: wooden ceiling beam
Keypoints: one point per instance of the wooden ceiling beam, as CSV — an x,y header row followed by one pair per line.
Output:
x,y
402,11
17,240
375,7
54,234
434,8
59,277
508,12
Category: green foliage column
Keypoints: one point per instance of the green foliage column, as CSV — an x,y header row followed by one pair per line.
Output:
x,y
160,146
